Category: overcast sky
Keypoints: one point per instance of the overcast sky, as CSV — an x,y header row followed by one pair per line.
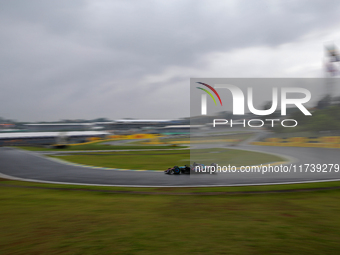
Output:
x,y
74,59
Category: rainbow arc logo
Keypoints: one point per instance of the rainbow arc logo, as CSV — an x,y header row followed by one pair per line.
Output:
x,y
209,93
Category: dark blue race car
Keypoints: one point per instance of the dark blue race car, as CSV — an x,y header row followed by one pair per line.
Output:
x,y
178,170
195,168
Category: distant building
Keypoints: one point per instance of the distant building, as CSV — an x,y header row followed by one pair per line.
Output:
x,y
40,127
47,138
119,126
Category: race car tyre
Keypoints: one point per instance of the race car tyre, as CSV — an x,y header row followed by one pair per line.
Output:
x,y
176,170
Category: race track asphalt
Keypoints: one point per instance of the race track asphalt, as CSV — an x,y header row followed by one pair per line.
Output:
x,y
31,166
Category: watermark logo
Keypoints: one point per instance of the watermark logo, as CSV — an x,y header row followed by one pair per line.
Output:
x,y
239,99
204,97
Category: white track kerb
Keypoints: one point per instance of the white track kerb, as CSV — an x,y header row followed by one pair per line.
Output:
x,y
157,186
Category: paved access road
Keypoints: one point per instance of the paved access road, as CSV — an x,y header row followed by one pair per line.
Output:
x,y
32,166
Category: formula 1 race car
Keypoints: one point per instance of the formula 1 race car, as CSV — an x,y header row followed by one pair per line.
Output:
x,y
178,170
195,168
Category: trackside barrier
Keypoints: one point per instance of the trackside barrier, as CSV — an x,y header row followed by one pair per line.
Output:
x,y
205,141
153,138
117,137
134,136
317,142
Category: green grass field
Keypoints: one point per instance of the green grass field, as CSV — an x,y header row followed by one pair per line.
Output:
x,y
149,160
40,221
161,160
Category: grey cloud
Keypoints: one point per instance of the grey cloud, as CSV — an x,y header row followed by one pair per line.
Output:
x,y
64,59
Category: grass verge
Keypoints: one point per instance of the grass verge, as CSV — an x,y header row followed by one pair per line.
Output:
x,y
158,160
34,221
180,190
